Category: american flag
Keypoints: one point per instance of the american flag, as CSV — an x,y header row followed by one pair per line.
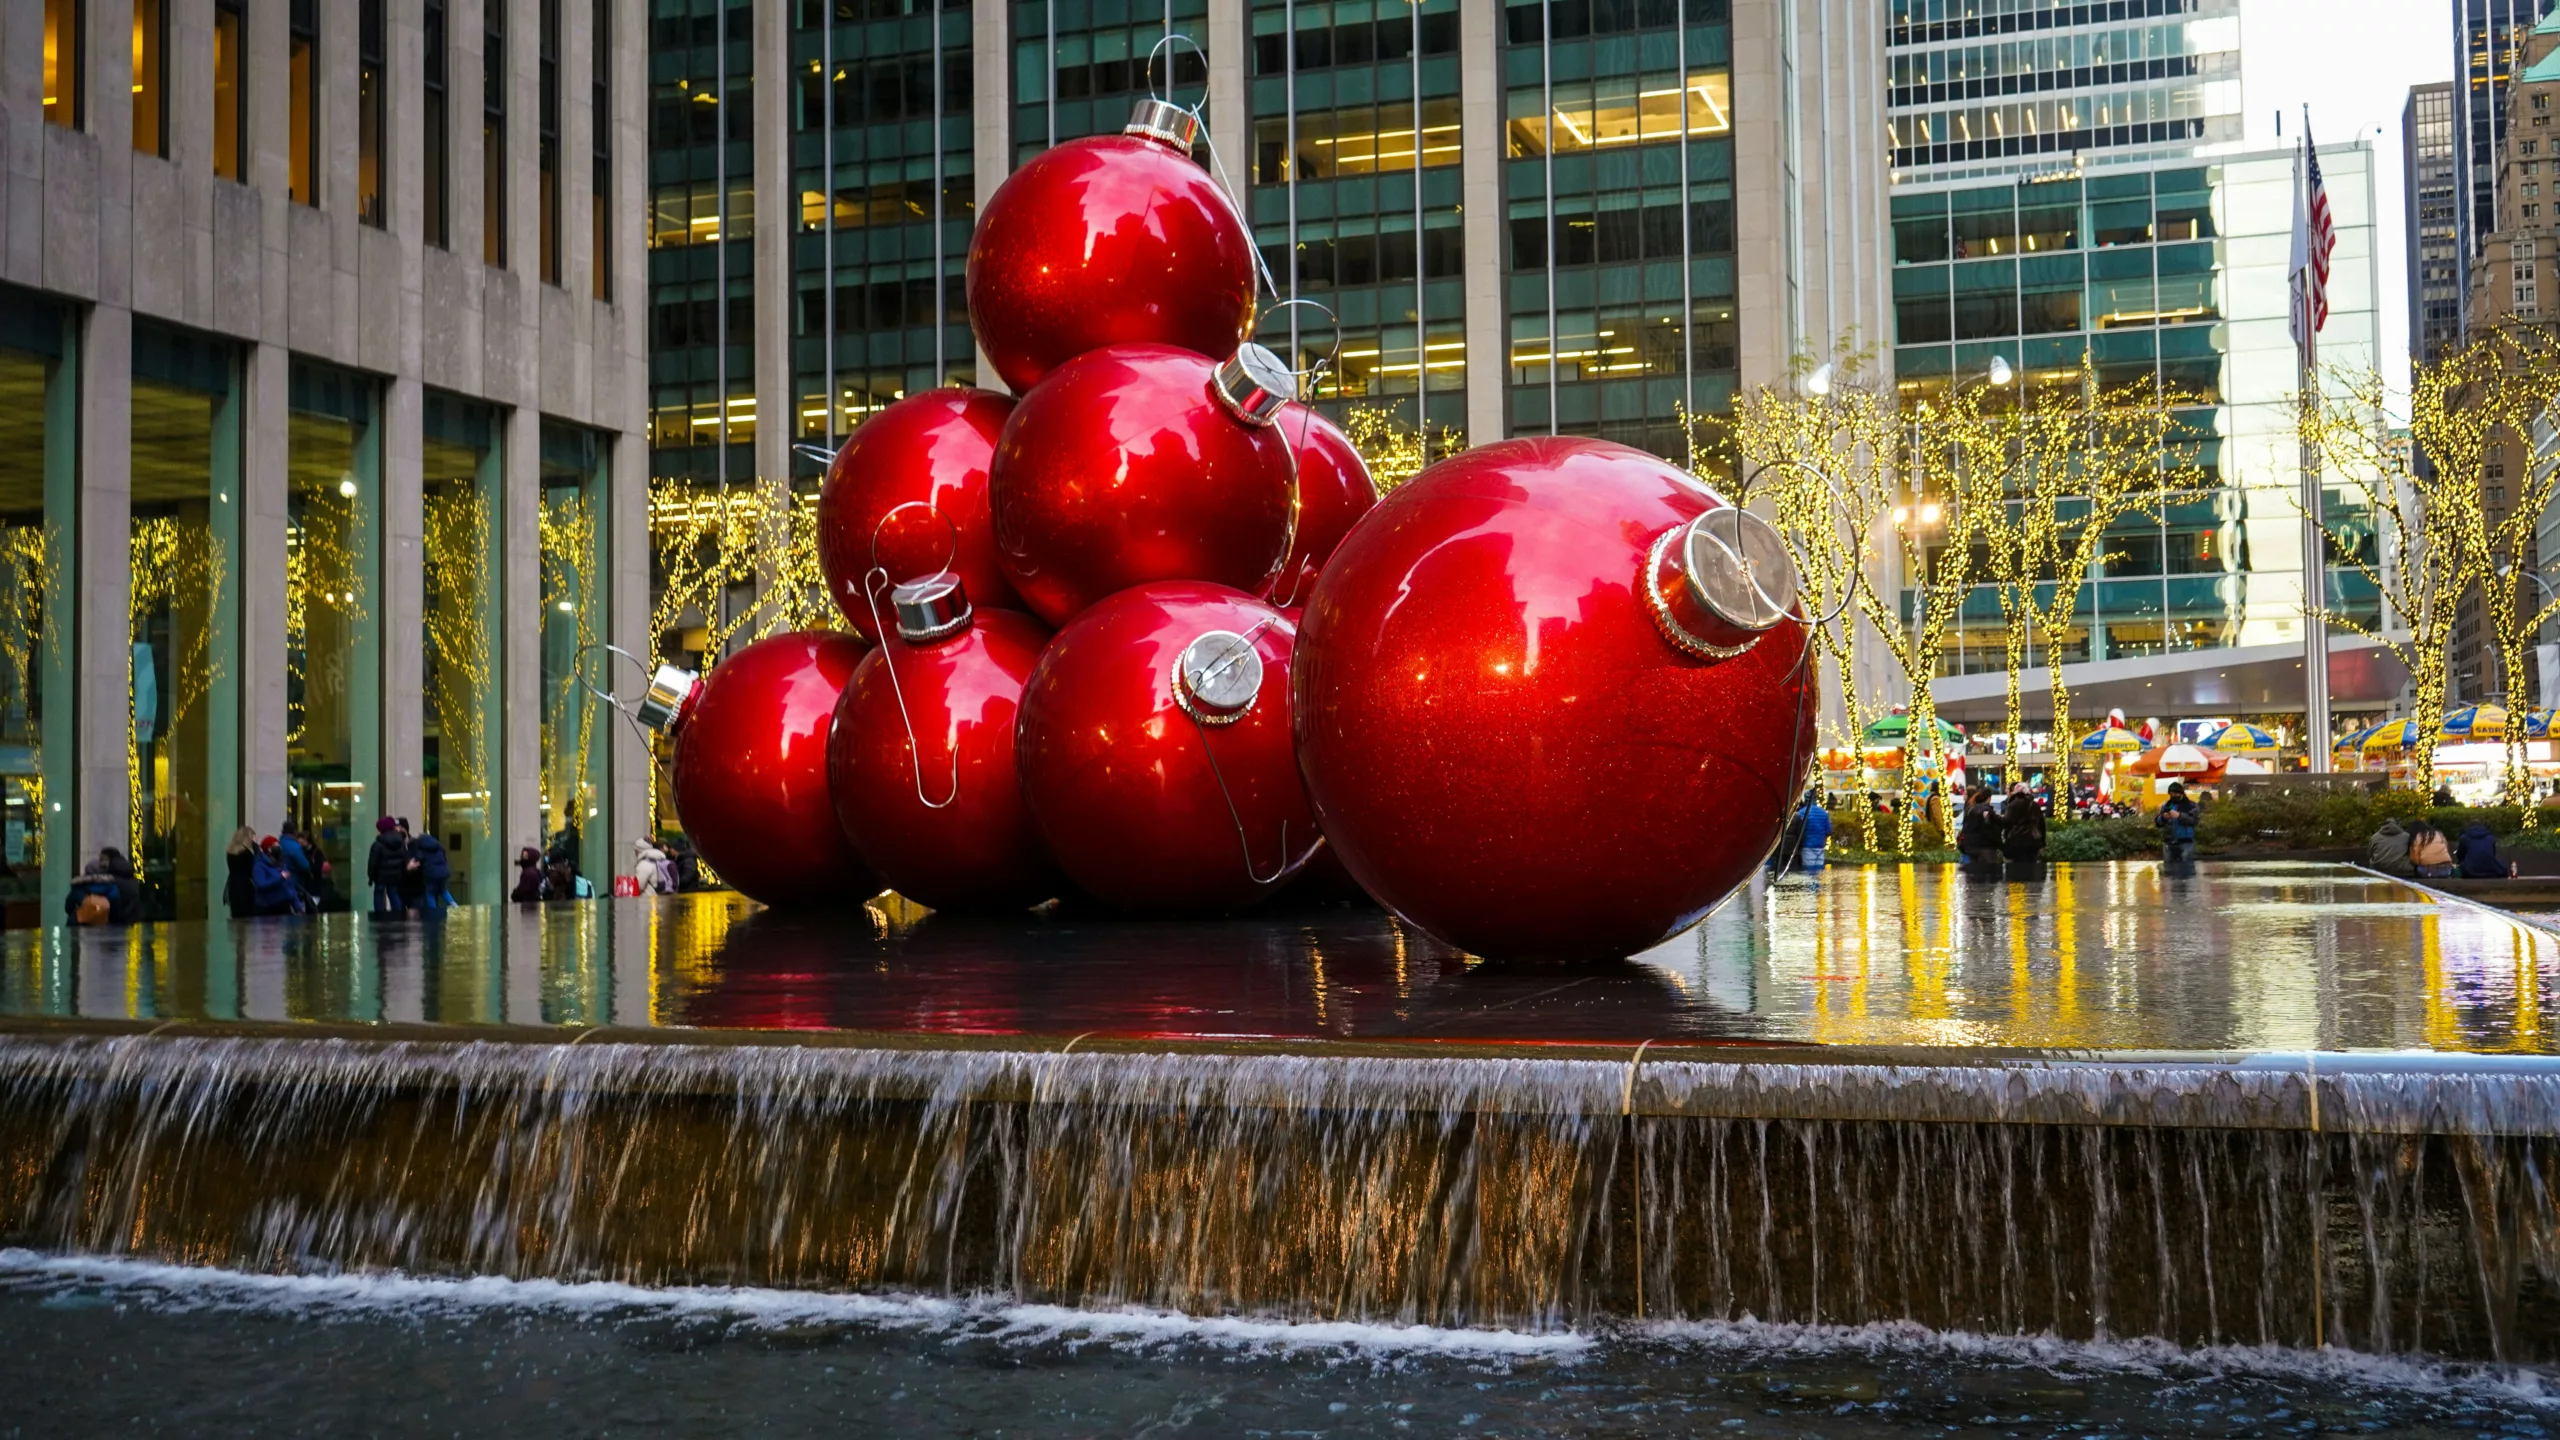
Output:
x,y
2314,236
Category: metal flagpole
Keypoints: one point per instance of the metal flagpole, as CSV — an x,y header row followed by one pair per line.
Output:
x,y
2315,575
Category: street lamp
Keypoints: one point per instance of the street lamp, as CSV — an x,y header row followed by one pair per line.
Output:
x,y
2001,374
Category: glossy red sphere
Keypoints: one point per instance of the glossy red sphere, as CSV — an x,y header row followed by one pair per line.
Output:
x,y
979,851
1126,784
1499,740
1123,468
1110,240
751,772
1334,491
933,447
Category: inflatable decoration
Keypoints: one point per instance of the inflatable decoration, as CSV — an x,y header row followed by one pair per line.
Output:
x,y
1554,699
925,456
921,760
1110,240
1154,750
751,767
1140,463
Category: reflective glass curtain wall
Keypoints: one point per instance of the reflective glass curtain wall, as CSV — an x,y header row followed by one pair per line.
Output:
x,y
1078,65
574,748
39,500
701,240
1618,183
183,725
1354,165
333,614
885,180
463,598
2128,269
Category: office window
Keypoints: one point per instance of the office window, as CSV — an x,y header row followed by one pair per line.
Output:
x,y
303,80
600,124
63,52
230,89
371,83
435,170
150,84
547,126
493,134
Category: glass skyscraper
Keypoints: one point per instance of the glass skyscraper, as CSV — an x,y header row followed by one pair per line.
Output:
x,y
1985,87
2068,183
1539,216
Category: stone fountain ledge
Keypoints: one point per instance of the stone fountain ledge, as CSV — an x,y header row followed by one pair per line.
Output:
x,y
2396,1092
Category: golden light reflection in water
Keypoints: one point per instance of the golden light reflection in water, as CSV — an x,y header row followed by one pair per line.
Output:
x,y
2304,958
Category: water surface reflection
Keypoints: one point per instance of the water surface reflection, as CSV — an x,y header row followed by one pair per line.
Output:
x,y
2112,957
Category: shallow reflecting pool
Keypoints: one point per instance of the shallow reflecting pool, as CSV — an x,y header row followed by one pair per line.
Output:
x,y
2115,957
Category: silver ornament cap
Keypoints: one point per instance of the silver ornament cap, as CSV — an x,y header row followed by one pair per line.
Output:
x,y
1163,122
1253,384
933,608
670,690
1217,677
1738,568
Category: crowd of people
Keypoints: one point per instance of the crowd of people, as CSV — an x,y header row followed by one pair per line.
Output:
x,y
406,872
2419,850
2002,834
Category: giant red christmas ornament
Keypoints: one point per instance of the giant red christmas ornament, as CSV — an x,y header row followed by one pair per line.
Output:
x,y
751,769
1154,749
1110,240
921,762
1552,699
1141,463
1334,491
908,494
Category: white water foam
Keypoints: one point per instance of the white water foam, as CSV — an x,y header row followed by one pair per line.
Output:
x,y
181,1288
1764,1340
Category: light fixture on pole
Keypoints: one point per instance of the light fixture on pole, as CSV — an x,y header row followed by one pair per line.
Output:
x,y
2001,374
1818,383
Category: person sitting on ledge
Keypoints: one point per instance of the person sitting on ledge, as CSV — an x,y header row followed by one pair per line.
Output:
x,y
2429,855
2388,850
2477,853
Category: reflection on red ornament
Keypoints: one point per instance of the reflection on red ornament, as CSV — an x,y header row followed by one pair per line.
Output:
x,y
1154,750
751,771
1141,463
1110,240
1334,491
929,454
942,819
1553,702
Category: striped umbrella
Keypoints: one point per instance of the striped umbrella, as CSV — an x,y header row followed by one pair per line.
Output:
x,y
2392,737
2242,739
2476,722
2352,743
2111,740
2537,724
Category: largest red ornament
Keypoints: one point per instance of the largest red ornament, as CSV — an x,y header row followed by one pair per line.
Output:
x,y
1140,463
751,771
1552,700
1154,748
921,762
1109,240
908,493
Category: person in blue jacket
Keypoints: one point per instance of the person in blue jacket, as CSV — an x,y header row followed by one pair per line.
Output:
x,y
1806,836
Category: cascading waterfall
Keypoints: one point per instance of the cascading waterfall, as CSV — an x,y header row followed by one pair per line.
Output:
x,y
2385,1208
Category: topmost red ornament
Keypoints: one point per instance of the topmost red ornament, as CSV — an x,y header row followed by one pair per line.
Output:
x,y
1110,240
